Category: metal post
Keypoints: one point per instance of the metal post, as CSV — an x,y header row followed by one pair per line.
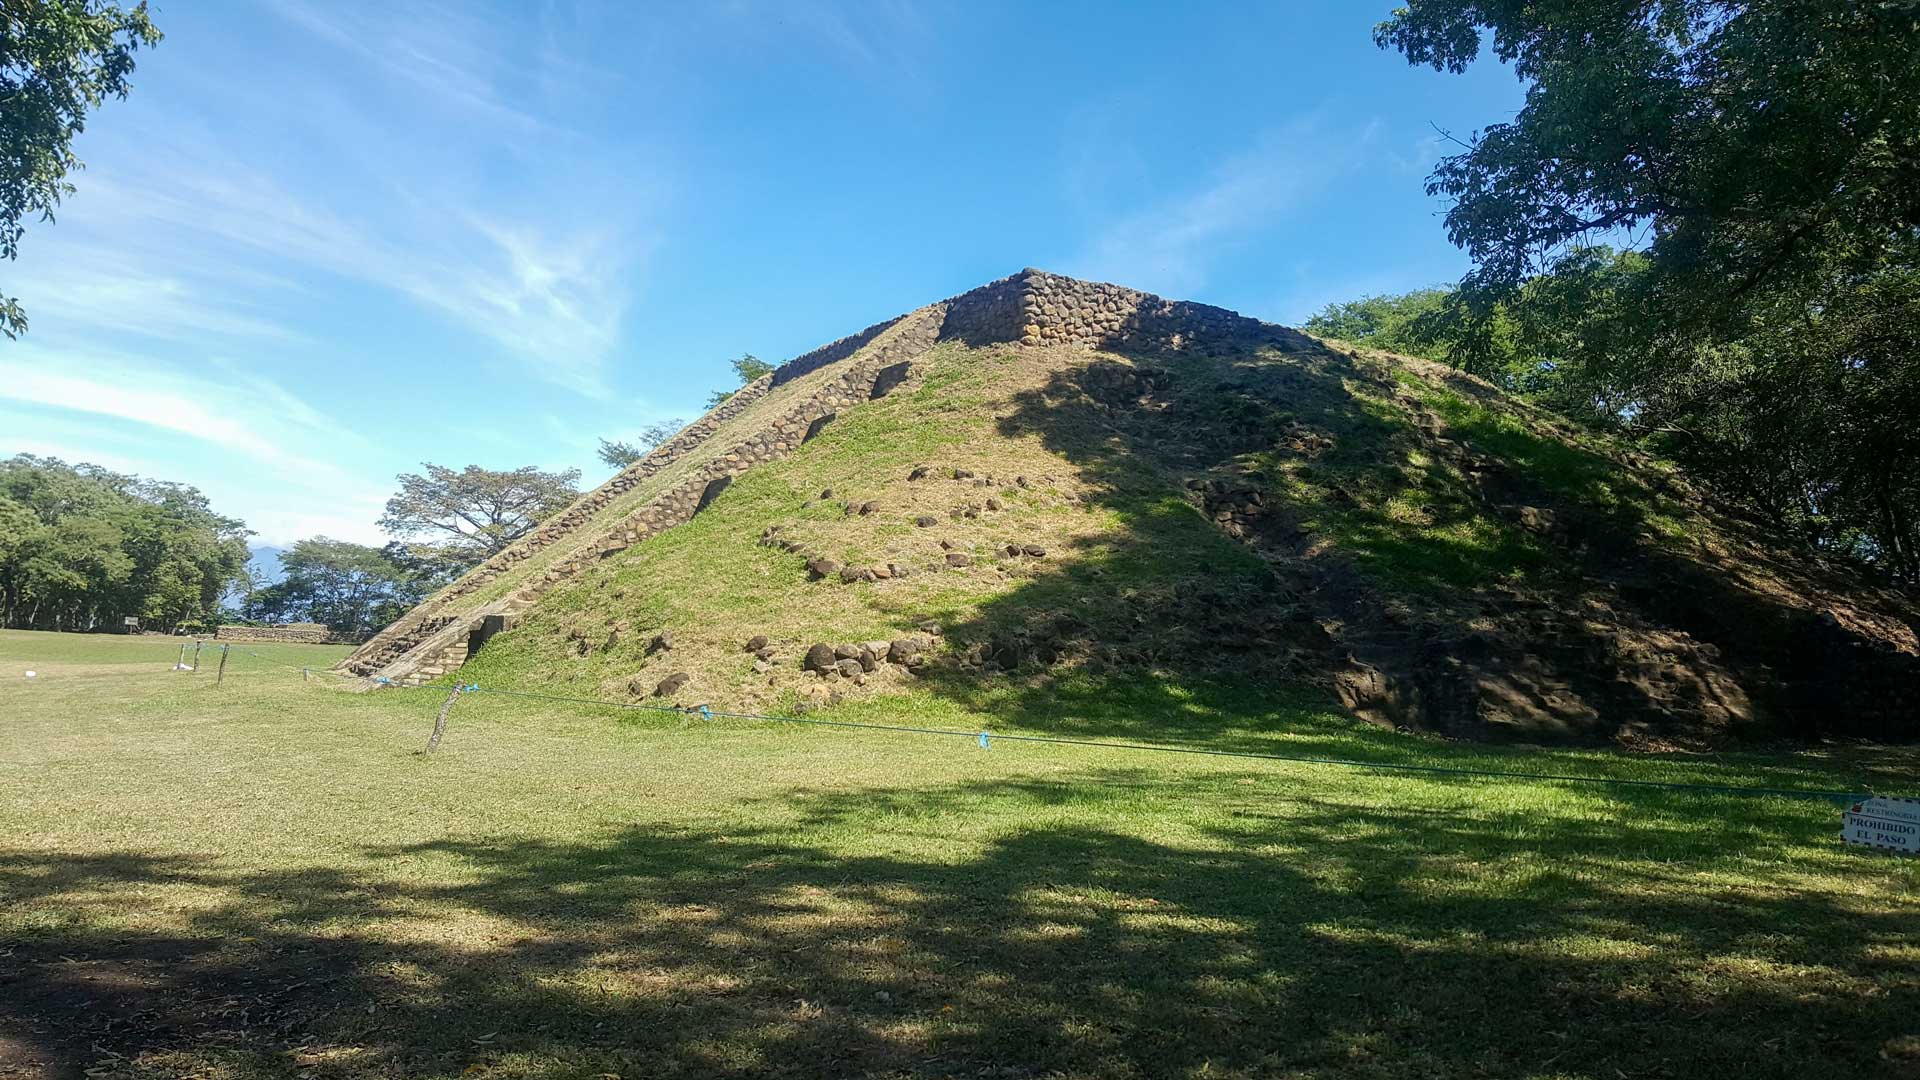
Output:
x,y
440,722
222,674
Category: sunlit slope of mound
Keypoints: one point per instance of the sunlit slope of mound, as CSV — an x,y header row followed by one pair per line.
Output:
x,y
1062,567
763,420
1384,529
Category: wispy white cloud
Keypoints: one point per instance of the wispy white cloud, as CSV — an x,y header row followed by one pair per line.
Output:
x,y
248,416
551,297
238,435
281,525
74,453
443,51
104,291
1418,157
277,516
455,192
1170,244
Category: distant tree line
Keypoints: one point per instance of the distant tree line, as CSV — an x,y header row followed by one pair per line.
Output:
x,y
449,521
82,547
1759,162
352,588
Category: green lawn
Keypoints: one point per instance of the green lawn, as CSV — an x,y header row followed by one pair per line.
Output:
x,y
264,878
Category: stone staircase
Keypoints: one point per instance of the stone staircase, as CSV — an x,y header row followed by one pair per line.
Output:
x,y
436,646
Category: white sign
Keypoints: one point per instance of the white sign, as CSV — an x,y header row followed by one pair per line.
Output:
x,y
1893,824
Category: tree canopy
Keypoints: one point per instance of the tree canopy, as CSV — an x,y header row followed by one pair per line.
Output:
x,y
476,512
58,60
1762,145
621,453
1392,323
1758,159
352,588
83,547
748,367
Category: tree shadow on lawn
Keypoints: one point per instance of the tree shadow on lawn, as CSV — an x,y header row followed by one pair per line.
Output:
x,y
1206,711
1285,935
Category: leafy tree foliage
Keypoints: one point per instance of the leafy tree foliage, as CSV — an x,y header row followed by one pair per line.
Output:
x,y
428,565
352,588
245,584
1759,156
621,454
476,512
58,60
1392,323
82,547
748,367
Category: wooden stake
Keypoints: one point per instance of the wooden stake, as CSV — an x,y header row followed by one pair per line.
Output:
x,y
440,722
221,676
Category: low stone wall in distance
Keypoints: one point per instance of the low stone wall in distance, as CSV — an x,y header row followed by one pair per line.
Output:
x,y
307,633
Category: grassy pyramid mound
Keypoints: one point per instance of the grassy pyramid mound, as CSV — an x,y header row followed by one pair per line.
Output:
x,y
1056,525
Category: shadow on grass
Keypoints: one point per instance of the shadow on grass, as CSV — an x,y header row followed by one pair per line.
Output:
x,y
1280,936
1202,711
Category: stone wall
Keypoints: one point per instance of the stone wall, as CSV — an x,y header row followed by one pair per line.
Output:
x,y
810,362
1062,310
311,633
1032,307
990,314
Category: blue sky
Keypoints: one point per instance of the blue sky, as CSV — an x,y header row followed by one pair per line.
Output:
x,y
324,242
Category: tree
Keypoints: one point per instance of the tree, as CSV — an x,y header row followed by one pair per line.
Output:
x,y
748,367
58,60
1759,157
352,588
428,565
622,454
1758,144
242,589
1384,322
477,512
83,547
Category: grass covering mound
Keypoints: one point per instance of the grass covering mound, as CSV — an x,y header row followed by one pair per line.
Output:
x,y
1378,528
715,584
